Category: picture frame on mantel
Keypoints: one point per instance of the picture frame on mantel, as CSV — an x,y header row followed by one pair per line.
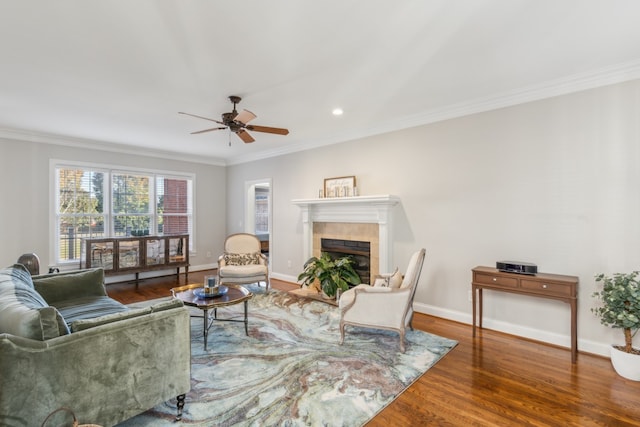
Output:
x,y
342,186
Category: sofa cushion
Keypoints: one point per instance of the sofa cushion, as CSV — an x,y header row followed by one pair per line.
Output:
x,y
242,270
23,312
69,285
88,308
82,324
133,310
241,259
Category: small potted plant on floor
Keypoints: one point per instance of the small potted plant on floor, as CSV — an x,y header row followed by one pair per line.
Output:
x,y
330,273
620,308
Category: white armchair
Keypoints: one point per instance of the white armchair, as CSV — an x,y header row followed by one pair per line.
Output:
x,y
383,307
242,261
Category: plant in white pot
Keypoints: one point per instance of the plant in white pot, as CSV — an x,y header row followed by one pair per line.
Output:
x,y
620,308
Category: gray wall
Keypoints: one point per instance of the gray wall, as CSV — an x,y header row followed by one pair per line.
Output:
x,y
553,182
24,194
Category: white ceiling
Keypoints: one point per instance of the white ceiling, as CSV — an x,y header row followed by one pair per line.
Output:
x,y
114,74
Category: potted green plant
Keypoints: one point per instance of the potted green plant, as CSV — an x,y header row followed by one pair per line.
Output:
x,y
620,308
330,273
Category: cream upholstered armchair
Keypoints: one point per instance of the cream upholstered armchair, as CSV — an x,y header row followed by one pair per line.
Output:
x,y
242,261
383,306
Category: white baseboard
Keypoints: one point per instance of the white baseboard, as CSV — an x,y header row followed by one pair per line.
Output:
x,y
284,277
587,346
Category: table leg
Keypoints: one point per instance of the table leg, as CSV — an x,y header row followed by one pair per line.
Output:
x,y
473,310
480,308
205,317
246,318
574,331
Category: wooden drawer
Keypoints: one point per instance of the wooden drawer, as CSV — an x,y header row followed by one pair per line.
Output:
x,y
489,279
543,287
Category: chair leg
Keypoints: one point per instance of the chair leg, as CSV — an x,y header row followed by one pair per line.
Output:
x,y
402,340
341,332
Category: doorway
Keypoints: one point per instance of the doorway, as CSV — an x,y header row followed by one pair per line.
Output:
x,y
258,212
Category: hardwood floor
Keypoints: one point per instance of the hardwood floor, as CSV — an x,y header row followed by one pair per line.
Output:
x,y
492,380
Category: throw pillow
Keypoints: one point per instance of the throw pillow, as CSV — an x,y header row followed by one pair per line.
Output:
x,y
396,280
23,312
241,259
393,280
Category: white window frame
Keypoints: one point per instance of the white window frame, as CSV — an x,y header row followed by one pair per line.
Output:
x,y
109,170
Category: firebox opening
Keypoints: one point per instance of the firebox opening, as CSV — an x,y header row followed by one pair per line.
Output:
x,y
359,251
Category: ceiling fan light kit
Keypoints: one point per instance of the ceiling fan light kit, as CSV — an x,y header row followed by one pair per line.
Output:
x,y
238,123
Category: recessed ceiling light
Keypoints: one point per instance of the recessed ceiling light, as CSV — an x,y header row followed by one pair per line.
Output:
x,y
337,111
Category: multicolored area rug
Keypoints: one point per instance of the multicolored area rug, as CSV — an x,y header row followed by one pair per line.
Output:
x,y
291,370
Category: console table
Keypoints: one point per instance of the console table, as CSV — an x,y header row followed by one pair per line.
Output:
x,y
136,254
553,286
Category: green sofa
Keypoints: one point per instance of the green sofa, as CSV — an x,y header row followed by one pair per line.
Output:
x,y
64,342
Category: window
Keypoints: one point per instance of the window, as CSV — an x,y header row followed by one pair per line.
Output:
x,y
92,202
79,210
173,205
131,207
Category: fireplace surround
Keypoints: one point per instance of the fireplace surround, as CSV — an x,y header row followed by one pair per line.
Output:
x,y
362,218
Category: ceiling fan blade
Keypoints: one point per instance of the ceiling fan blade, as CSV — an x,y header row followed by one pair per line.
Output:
x,y
244,116
267,129
200,117
207,130
244,135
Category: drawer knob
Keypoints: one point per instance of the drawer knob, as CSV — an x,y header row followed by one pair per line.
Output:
x,y
495,280
544,286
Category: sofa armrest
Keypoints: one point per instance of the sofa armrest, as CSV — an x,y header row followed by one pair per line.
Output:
x,y
70,285
377,306
107,373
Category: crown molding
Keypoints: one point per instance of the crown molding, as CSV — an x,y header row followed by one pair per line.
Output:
x,y
606,76
69,141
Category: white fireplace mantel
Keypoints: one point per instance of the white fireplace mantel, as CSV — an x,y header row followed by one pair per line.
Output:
x,y
359,209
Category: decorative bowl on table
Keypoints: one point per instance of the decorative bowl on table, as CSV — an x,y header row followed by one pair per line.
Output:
x,y
214,291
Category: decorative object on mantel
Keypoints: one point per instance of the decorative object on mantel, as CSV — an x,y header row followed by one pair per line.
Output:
x,y
332,274
342,186
620,298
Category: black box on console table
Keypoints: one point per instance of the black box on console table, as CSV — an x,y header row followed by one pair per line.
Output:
x,y
517,267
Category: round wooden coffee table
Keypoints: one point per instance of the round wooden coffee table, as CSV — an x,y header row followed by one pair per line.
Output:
x,y
235,295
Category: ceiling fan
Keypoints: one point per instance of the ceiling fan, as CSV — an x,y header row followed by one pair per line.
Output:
x,y
238,123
